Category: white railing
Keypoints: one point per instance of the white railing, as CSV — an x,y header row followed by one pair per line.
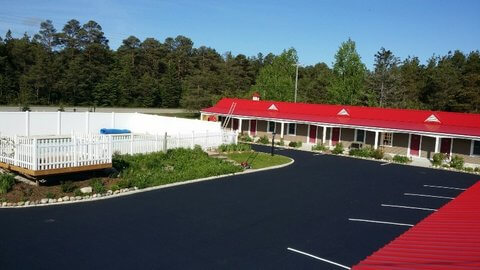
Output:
x,y
46,153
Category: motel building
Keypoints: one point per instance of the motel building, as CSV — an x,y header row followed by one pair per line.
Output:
x,y
418,134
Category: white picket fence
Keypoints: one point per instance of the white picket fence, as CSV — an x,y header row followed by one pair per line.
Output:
x,y
55,152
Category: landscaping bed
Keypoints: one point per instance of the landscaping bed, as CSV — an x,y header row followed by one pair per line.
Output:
x,y
261,160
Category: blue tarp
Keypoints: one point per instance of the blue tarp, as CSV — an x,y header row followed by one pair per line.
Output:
x,y
114,131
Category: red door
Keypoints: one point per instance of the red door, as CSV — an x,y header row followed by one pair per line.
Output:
x,y
414,145
235,124
313,134
335,136
445,146
253,127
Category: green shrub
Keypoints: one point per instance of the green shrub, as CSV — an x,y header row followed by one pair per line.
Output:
x,y
245,138
360,152
114,187
67,186
457,162
77,192
468,169
319,147
97,185
377,154
295,144
477,169
263,140
438,158
234,147
338,149
124,183
281,142
6,183
50,195
401,159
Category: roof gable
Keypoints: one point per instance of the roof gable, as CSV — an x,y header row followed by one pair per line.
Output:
x,y
432,119
343,112
273,107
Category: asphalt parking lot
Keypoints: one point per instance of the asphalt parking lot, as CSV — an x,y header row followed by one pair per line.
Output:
x,y
332,208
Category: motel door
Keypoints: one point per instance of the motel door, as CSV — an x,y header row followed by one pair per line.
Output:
x,y
414,145
445,146
253,127
235,124
313,134
335,136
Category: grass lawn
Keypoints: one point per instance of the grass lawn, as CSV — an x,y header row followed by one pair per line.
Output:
x,y
261,161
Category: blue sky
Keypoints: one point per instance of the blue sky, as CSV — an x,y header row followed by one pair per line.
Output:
x,y
314,28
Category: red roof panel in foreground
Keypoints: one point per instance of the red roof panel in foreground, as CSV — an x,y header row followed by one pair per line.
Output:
x,y
447,239
463,124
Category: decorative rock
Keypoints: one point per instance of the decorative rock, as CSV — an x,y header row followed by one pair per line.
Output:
x,y
109,192
136,188
44,201
66,198
131,189
20,203
78,198
27,203
4,204
10,204
94,195
59,200
86,190
52,200
116,192
72,198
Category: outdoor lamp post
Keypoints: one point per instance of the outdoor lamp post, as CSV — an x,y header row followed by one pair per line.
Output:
x,y
273,142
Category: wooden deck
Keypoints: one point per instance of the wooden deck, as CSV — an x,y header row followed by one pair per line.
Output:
x,y
49,172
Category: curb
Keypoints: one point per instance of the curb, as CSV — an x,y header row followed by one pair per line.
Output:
x,y
135,190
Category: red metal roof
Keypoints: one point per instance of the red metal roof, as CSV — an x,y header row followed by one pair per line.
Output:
x,y
465,124
447,239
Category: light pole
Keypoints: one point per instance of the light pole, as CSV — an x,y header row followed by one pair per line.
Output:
x,y
296,81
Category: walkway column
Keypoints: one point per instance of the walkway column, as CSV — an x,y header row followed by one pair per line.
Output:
x,y
281,129
375,146
437,140
324,135
240,125
201,116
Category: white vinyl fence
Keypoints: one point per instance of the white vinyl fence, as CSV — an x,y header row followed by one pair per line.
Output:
x,y
55,152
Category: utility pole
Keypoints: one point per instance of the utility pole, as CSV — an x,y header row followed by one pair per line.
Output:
x,y
296,81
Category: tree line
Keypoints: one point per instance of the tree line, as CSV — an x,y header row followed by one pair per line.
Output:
x,y
76,66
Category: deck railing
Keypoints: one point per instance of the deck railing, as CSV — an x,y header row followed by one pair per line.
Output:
x,y
56,152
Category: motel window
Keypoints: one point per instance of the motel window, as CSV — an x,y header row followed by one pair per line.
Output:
x,y
271,126
360,135
476,148
292,129
387,139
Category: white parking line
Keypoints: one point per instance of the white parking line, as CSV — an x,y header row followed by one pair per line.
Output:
x,y
380,222
444,187
383,164
408,207
317,154
429,196
318,258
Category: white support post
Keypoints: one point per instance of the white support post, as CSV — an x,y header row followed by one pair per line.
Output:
x,y
282,124
235,138
113,119
15,154
131,143
193,138
330,141
324,135
27,123
240,125
59,122
437,144
35,155
87,122
201,116
375,146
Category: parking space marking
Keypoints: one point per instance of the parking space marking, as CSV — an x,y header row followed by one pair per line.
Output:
x,y
383,164
317,154
429,196
318,258
456,188
408,207
380,222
